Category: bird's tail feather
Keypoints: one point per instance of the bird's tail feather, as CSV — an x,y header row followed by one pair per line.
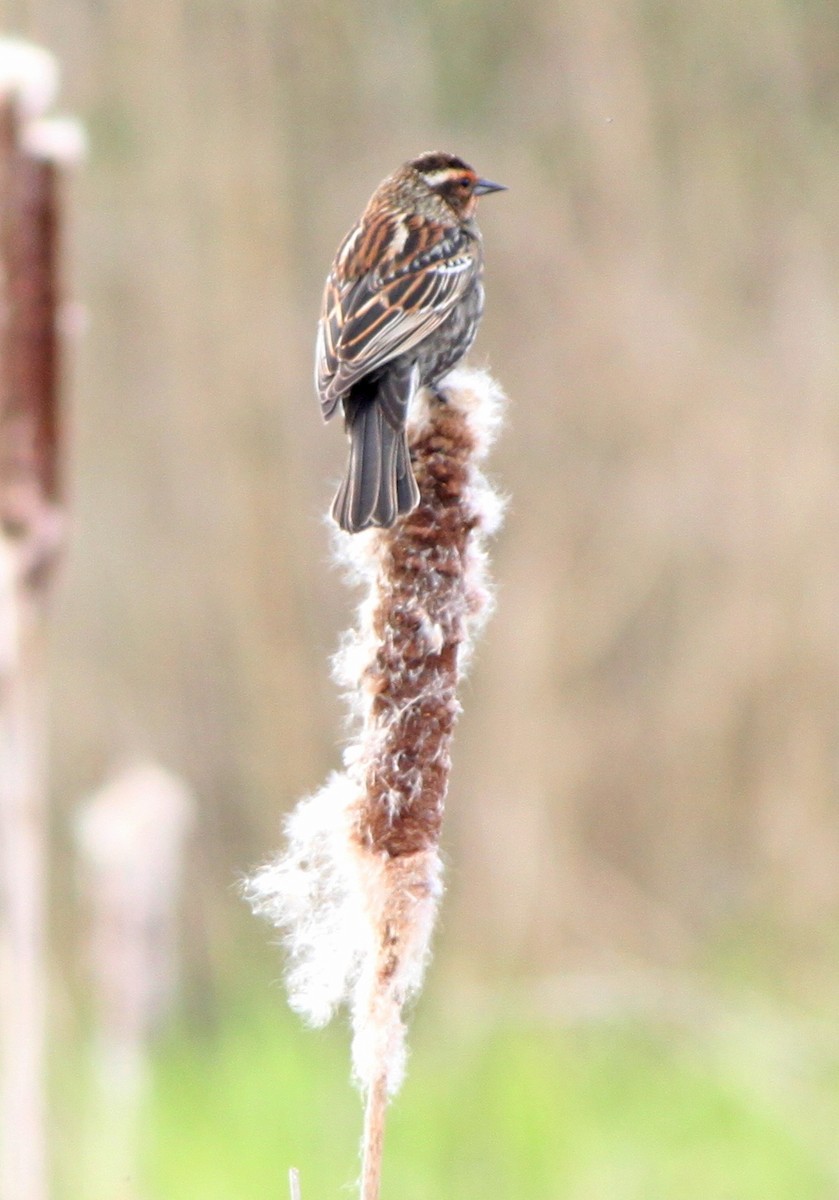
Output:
x,y
379,485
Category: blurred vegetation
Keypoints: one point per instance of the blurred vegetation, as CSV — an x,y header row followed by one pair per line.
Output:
x,y
696,1100
646,771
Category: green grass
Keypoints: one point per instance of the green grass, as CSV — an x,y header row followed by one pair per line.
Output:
x,y
614,1110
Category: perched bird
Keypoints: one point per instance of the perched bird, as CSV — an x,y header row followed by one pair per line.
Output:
x,y
401,307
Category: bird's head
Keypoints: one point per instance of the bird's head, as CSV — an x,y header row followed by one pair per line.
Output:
x,y
454,181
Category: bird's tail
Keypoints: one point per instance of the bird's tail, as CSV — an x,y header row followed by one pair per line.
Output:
x,y
379,485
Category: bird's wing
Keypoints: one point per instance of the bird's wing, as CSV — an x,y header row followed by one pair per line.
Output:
x,y
386,311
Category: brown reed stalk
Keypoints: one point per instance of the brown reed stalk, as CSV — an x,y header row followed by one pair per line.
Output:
x,y
357,891
30,537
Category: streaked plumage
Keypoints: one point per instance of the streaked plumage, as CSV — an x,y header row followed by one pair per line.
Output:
x,y
401,307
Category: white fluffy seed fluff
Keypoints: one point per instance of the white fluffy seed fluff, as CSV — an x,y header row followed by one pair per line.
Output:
x,y
61,140
357,914
28,74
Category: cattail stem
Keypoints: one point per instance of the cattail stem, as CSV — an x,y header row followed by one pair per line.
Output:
x,y
23,1149
357,890
372,1143
131,837
30,538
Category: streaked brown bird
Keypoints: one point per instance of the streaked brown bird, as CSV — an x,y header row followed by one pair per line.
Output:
x,y
401,307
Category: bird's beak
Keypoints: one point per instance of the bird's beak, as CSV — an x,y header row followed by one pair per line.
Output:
x,y
483,187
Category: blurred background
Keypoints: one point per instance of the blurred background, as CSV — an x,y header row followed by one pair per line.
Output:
x,y
642,835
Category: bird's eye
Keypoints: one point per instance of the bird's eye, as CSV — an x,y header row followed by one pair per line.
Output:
x,y
466,183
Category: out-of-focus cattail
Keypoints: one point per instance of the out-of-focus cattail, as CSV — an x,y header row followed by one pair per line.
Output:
x,y
131,837
357,889
31,533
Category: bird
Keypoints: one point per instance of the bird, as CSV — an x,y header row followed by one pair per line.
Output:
x,y
401,307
